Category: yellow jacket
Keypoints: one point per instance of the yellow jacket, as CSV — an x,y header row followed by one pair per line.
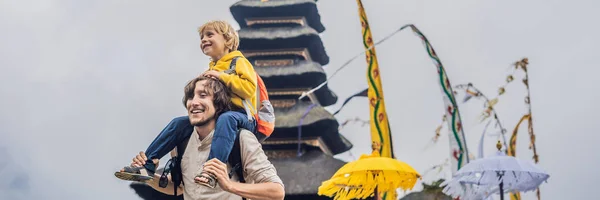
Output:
x,y
242,83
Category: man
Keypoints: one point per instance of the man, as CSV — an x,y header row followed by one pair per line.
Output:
x,y
205,99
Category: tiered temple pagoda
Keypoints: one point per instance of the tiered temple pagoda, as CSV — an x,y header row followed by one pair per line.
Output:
x,y
281,39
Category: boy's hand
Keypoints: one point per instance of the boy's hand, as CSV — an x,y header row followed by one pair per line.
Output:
x,y
212,74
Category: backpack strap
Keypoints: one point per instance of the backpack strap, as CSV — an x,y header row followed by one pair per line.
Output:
x,y
249,109
231,69
235,160
176,173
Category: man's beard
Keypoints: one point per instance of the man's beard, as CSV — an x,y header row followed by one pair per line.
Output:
x,y
203,122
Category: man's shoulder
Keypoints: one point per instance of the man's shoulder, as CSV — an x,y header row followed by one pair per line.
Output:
x,y
247,136
258,168
245,131
249,144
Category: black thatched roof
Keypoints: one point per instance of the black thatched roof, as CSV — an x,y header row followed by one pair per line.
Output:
x,y
325,96
331,144
431,191
336,145
284,38
280,8
317,123
302,74
290,117
304,174
311,70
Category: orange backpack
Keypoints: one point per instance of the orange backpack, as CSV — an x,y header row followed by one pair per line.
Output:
x,y
265,115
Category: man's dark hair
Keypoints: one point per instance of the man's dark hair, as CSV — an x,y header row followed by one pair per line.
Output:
x,y
216,88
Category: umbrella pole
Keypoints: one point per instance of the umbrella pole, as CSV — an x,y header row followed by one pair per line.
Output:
x,y
501,191
500,174
376,194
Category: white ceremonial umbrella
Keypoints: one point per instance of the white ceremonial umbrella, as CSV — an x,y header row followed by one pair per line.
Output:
x,y
495,174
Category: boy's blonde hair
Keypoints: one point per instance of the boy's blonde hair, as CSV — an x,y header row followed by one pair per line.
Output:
x,y
232,40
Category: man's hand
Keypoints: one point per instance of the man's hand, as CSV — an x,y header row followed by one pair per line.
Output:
x,y
212,74
219,169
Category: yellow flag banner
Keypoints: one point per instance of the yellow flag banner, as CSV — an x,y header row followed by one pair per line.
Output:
x,y
380,131
512,151
380,127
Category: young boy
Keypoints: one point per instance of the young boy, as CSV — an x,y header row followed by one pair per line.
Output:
x,y
219,41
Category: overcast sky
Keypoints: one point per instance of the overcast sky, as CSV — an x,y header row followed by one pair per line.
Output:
x,y
87,84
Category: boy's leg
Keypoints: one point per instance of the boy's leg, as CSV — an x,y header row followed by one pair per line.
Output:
x,y
174,133
226,129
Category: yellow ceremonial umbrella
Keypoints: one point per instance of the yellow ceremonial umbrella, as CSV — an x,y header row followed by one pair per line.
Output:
x,y
368,175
